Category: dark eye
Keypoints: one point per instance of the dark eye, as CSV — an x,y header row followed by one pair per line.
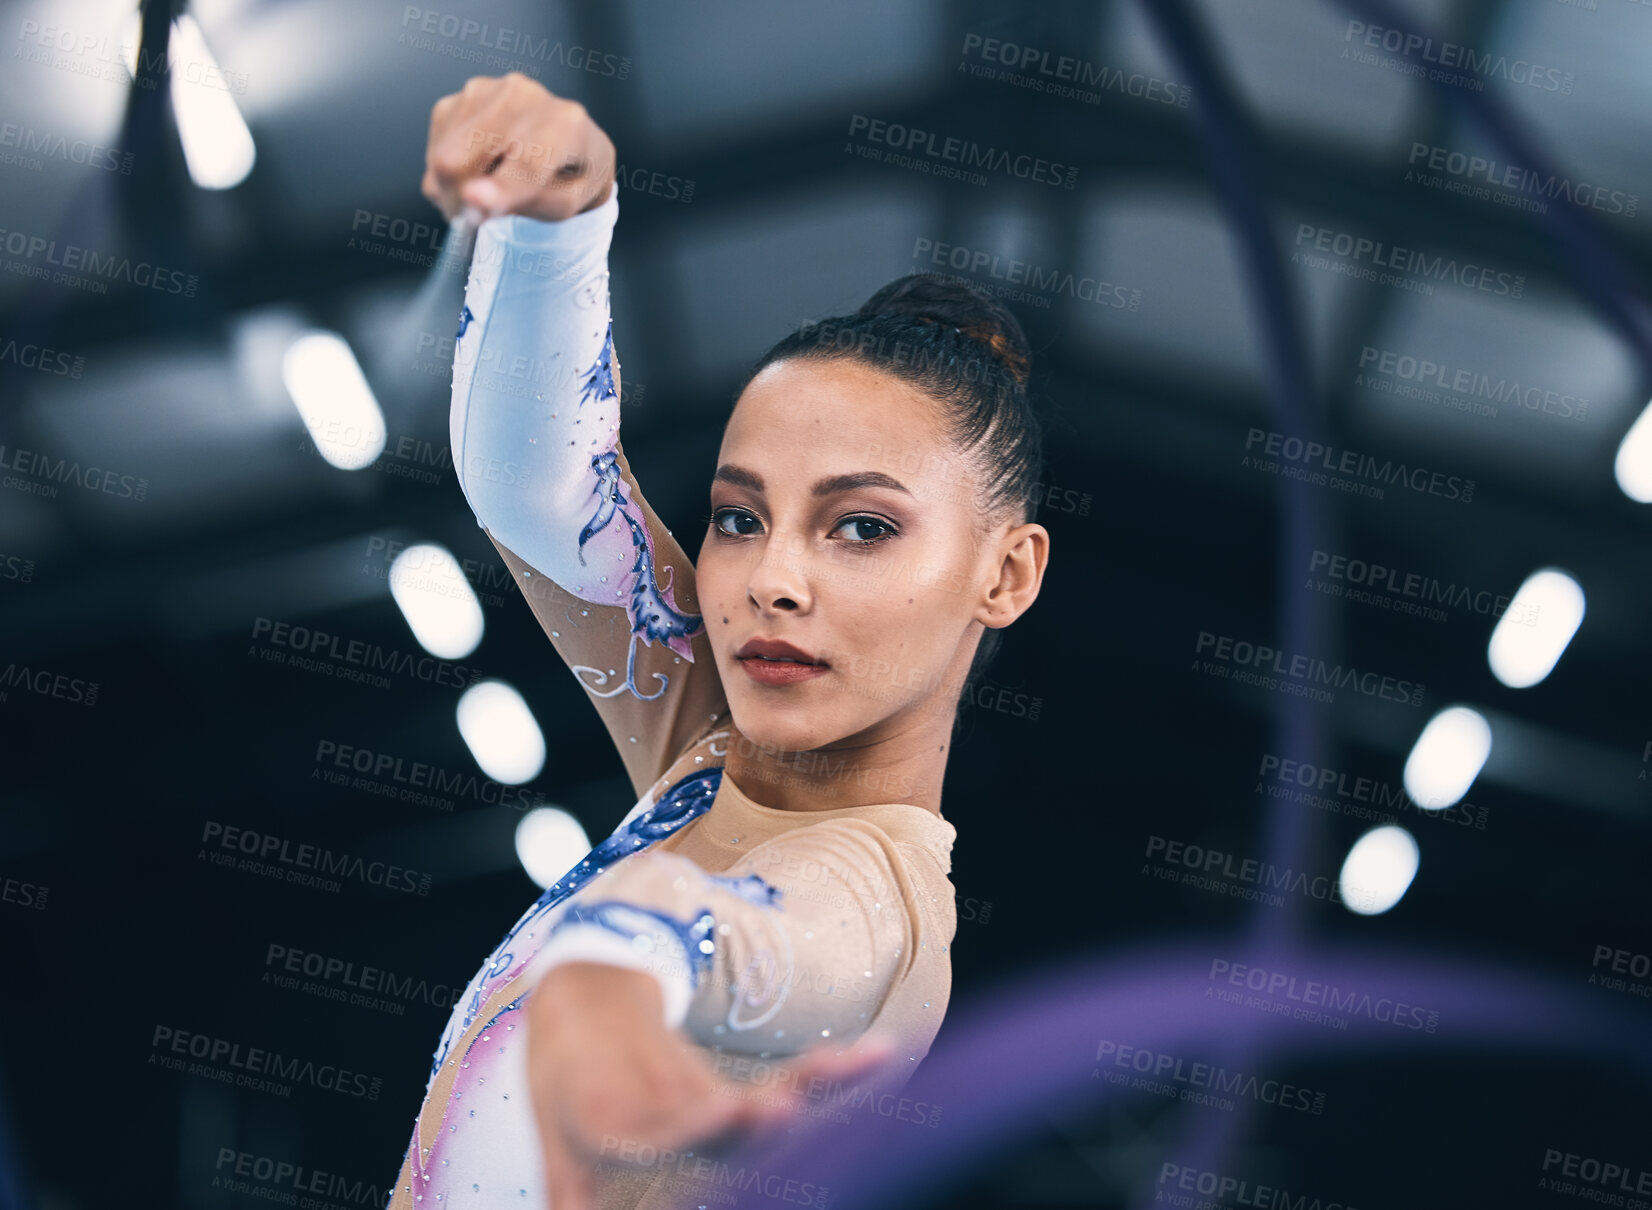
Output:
x,y
861,536
740,517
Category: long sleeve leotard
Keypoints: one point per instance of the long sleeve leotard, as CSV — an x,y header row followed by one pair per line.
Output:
x,y
769,931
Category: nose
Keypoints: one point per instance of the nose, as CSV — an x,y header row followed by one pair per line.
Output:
x,y
779,581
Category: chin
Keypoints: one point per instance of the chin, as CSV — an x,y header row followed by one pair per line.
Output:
x,y
797,728
763,729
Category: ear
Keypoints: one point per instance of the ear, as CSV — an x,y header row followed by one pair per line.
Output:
x,y
1022,553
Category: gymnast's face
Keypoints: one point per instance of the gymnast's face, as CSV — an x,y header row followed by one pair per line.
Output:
x,y
843,523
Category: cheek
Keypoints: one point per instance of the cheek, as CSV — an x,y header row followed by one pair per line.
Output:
x,y
711,575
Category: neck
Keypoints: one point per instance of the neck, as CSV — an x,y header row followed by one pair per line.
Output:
x,y
906,766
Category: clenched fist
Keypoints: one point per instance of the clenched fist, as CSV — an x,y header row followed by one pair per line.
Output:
x,y
508,145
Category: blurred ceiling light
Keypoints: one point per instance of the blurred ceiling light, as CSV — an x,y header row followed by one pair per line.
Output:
x,y
549,843
218,147
501,732
1447,757
1378,870
1535,629
332,396
428,584
1633,467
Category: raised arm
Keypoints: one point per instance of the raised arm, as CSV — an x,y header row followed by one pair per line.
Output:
x,y
535,416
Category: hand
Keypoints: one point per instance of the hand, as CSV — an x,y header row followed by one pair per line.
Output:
x,y
508,145
602,1066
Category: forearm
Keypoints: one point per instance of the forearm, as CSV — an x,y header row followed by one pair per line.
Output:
x,y
535,430
535,406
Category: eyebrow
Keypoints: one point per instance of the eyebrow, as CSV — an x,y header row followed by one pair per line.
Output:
x,y
830,485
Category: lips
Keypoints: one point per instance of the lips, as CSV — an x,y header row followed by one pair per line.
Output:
x,y
775,651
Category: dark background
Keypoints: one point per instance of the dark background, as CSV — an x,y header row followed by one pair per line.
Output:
x,y
1158,532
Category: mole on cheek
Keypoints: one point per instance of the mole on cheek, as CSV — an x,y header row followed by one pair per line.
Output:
x,y
725,621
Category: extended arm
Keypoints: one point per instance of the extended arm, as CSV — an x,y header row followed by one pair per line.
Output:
x,y
534,430
791,953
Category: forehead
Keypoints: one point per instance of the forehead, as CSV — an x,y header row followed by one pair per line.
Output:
x,y
804,404
802,419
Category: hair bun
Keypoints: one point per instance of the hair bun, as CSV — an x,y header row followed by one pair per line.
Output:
x,y
946,300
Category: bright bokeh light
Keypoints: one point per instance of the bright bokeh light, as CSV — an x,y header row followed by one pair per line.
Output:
x,y
332,395
428,584
218,147
1533,632
1378,870
549,843
1633,467
1447,757
217,144
501,732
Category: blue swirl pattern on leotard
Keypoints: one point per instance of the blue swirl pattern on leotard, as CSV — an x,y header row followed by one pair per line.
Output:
x,y
688,799
629,921
696,935
653,617
599,379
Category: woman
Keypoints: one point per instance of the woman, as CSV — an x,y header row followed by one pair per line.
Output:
x,y
775,911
